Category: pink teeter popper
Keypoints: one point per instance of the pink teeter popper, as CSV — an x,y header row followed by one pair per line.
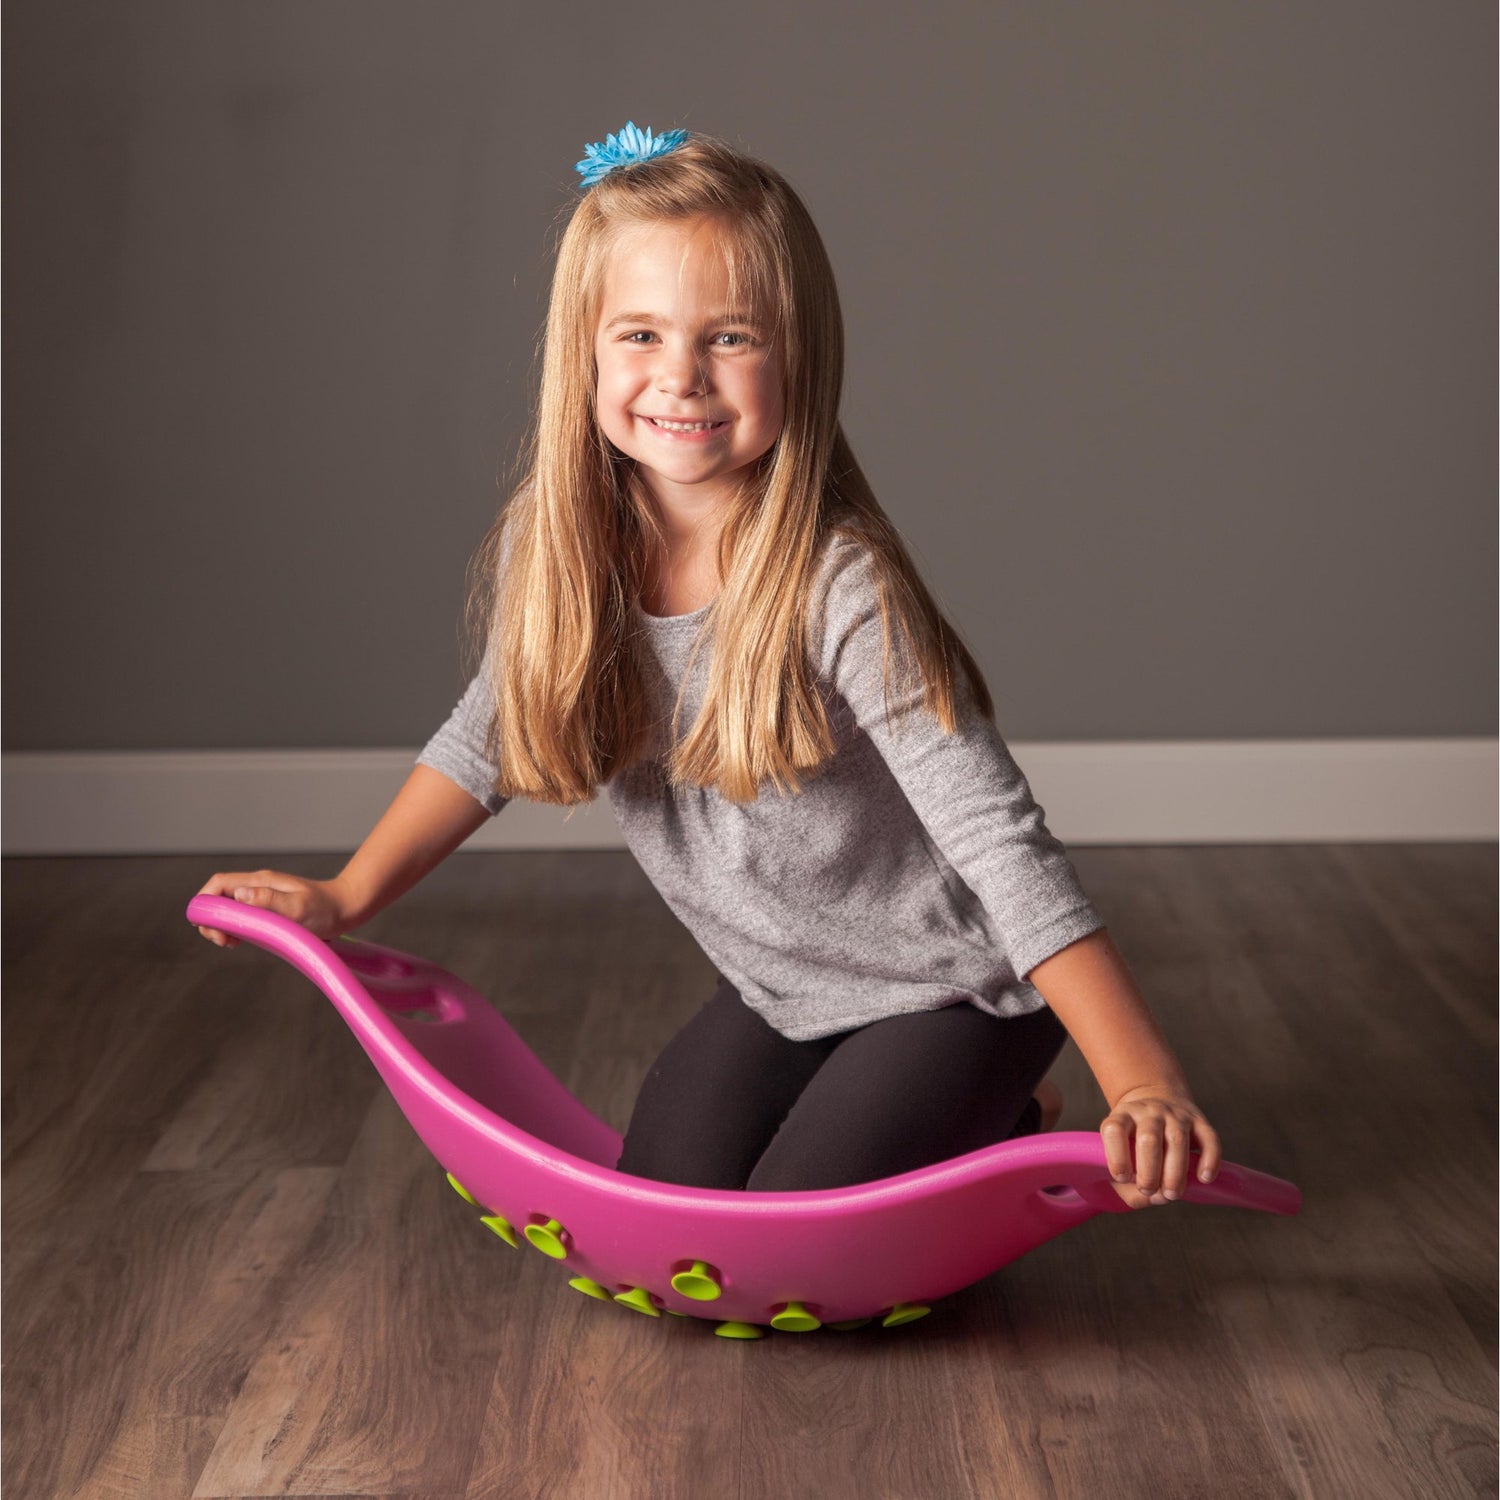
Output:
x,y
540,1168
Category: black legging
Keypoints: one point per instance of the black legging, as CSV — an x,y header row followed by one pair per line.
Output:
x,y
731,1103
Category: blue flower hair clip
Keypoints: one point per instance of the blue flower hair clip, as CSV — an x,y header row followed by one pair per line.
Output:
x,y
631,145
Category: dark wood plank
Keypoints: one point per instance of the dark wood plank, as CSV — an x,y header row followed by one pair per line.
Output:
x,y
149,1334
374,1366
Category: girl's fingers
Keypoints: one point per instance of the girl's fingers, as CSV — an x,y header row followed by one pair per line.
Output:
x,y
1163,1152
222,882
1208,1156
1115,1133
1148,1155
1175,1170
279,893
226,883
214,886
282,900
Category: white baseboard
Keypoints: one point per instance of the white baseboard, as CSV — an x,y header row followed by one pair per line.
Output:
x,y
1108,792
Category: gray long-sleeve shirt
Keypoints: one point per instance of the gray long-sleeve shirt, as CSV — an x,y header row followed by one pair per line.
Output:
x,y
914,871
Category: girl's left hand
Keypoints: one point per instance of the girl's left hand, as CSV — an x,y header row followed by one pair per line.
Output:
x,y
1166,1123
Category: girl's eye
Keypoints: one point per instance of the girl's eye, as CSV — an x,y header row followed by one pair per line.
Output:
x,y
645,333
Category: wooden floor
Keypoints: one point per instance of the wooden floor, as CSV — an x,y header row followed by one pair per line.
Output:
x,y
231,1269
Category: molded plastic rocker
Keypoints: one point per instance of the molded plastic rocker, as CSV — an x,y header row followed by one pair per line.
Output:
x,y
540,1167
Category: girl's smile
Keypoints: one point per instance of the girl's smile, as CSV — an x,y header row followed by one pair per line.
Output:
x,y
685,430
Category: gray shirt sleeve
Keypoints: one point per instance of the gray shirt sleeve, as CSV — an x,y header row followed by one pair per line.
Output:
x,y
965,787
457,749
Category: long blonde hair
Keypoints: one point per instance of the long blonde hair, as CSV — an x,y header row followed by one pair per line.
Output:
x,y
554,580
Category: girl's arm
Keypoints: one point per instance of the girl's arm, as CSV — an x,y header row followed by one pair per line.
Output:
x,y
1094,995
429,818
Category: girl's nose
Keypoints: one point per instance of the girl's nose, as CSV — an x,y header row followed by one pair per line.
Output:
x,y
681,374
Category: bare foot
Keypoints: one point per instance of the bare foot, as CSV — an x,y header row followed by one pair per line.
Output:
x,y
1049,1096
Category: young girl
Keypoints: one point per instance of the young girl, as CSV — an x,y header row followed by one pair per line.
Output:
x,y
693,599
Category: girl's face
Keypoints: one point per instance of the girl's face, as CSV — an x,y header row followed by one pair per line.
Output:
x,y
668,348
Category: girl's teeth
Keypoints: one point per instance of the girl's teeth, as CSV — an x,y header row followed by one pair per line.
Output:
x,y
684,426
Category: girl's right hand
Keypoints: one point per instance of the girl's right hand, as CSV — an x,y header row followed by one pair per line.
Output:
x,y
321,906
1166,1123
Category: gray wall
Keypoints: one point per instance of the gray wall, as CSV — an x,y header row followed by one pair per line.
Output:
x,y
1171,336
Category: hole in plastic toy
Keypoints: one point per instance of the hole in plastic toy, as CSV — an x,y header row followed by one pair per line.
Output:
x,y
1062,1192
376,965
416,1015
421,1004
